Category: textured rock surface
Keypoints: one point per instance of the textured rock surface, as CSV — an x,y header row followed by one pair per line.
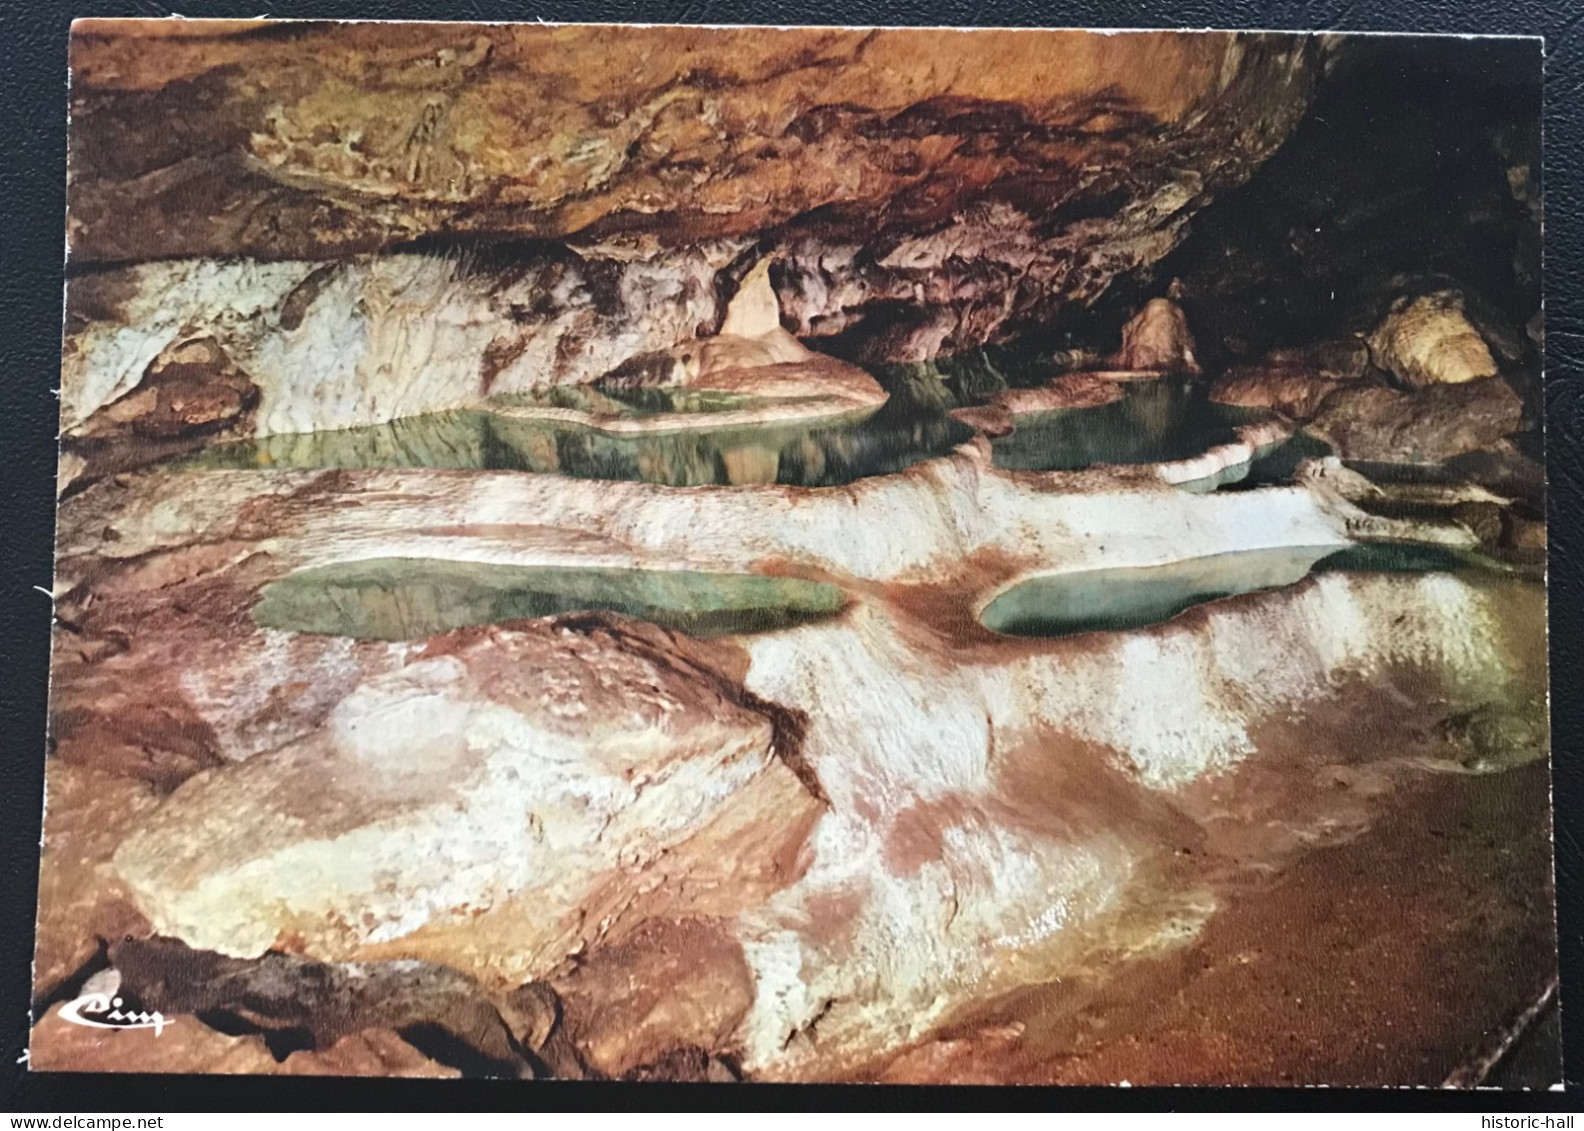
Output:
x,y
372,1052
1075,390
669,986
971,888
280,992
81,904
843,814
1157,339
315,138
1013,173
493,804
1429,426
927,874
1292,391
1427,340
753,355
363,340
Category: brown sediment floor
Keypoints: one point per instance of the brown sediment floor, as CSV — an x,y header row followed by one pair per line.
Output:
x,y
1385,960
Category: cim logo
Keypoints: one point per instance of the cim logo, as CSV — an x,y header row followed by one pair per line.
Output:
x,y
99,1008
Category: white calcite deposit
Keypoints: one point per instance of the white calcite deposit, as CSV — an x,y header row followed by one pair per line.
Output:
x,y
482,803
369,340
502,799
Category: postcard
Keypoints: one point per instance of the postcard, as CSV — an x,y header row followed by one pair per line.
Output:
x,y
800,555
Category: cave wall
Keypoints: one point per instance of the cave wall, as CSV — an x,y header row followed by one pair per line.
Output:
x,y
577,195
1417,169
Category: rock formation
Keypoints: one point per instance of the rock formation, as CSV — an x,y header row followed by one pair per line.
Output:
x,y
444,803
1426,427
226,184
1074,390
1157,340
548,583
754,357
1291,391
1427,340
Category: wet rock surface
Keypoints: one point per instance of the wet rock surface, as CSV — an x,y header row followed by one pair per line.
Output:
x,y
442,803
553,595
1430,426
1458,867
645,182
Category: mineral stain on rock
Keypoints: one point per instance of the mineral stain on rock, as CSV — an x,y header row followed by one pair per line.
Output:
x,y
710,554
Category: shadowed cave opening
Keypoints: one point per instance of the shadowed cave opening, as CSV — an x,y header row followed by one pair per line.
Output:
x,y
412,598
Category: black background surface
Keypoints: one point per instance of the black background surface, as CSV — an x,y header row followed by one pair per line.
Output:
x,y
32,209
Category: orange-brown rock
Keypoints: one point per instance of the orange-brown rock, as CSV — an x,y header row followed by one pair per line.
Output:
x,y
192,391
81,904
602,767
1293,391
371,1052
1157,340
183,1045
991,419
671,985
348,136
1050,161
1074,390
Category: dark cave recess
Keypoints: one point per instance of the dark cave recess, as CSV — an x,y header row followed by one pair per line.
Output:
x,y
1417,168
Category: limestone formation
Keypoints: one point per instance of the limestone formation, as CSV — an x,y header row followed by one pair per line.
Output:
x,y
1292,391
81,904
1074,390
324,842
754,356
251,168
1429,426
441,809
1157,340
630,553
1428,340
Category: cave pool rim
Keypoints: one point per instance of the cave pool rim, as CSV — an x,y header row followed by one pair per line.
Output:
x,y
1169,584
313,600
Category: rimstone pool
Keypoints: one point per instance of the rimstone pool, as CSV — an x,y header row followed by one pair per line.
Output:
x,y
706,554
